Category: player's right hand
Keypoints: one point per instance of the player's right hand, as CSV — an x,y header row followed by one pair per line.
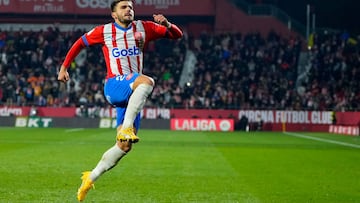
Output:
x,y
63,75
159,18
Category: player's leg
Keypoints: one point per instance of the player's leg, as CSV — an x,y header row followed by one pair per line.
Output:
x,y
117,91
110,158
113,155
142,87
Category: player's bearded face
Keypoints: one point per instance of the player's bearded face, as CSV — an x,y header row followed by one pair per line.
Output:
x,y
126,18
125,13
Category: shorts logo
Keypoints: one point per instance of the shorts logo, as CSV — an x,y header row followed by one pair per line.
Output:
x,y
120,77
132,51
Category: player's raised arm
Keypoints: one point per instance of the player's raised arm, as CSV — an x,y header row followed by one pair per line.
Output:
x,y
174,31
75,49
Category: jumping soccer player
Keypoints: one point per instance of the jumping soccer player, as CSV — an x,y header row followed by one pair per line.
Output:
x,y
126,87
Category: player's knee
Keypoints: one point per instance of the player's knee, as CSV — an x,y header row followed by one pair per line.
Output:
x,y
124,146
148,80
143,79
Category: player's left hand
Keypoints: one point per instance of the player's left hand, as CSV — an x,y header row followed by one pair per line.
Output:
x,y
159,18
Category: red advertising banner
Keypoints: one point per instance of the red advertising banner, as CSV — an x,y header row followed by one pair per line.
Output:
x,y
14,110
276,117
203,113
344,130
36,6
147,113
7,6
310,117
348,118
102,7
41,111
202,124
291,127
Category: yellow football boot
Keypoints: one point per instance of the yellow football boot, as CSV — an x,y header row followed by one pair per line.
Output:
x,y
127,134
86,185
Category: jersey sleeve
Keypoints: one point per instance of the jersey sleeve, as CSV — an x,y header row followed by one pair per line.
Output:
x,y
94,36
153,30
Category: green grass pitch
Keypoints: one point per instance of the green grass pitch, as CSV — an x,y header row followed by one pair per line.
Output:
x,y
44,165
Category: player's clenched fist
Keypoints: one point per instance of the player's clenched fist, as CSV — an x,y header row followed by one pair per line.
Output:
x,y
63,75
159,18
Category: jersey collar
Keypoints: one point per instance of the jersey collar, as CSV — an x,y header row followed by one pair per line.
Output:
x,y
121,28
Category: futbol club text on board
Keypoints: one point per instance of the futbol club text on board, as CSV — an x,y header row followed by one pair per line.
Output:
x,y
305,117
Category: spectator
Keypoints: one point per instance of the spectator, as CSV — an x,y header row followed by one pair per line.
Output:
x,y
233,71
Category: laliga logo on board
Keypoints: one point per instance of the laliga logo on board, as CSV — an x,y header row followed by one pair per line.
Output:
x,y
225,125
159,4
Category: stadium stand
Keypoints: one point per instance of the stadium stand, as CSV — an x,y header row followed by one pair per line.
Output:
x,y
230,70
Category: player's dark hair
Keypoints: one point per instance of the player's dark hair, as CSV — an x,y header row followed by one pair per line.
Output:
x,y
114,3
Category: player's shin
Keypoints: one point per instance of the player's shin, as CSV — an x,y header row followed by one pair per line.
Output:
x,y
136,103
109,159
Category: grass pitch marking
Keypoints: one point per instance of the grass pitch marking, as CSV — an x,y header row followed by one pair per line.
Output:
x,y
322,140
74,130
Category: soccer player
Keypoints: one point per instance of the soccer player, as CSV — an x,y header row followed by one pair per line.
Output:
x,y
125,87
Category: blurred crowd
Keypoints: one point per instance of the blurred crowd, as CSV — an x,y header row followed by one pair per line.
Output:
x,y
232,71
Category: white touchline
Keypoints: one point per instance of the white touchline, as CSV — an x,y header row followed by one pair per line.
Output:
x,y
74,130
323,140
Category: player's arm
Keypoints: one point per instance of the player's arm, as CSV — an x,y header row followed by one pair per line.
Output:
x,y
172,31
94,36
75,49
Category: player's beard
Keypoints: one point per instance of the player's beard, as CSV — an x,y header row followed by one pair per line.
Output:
x,y
126,21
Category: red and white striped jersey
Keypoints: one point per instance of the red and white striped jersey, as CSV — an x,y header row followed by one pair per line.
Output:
x,y
120,49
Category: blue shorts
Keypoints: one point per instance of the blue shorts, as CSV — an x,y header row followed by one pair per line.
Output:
x,y
117,91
